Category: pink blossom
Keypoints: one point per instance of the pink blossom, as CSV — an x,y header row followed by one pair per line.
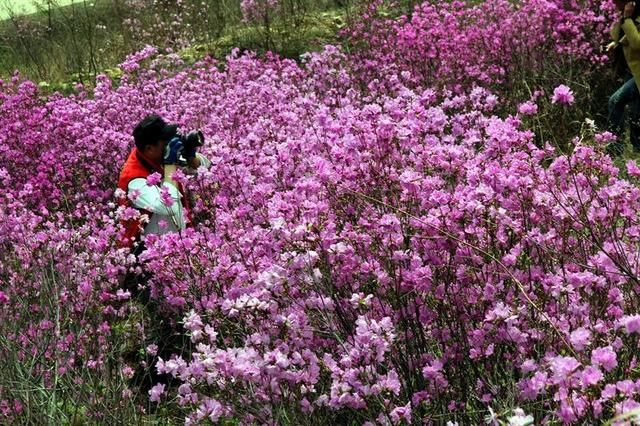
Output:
x,y
605,357
580,338
127,372
399,414
631,323
152,349
156,392
563,366
562,95
166,197
528,108
590,376
633,169
154,179
604,137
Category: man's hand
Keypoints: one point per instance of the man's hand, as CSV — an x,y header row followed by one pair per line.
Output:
x,y
629,8
172,151
194,162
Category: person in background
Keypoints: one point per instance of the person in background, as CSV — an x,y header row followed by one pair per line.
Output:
x,y
626,38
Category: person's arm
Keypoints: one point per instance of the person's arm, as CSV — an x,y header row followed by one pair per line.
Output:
x,y
149,196
615,32
194,162
631,32
629,25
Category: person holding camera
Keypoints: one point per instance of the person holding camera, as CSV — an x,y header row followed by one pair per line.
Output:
x,y
626,38
160,149
146,182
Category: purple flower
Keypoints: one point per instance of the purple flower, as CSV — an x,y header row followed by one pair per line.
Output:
x,y
626,387
528,108
127,371
627,406
590,376
562,95
154,179
580,338
631,323
633,169
399,414
156,392
604,357
166,197
563,366
605,137
152,349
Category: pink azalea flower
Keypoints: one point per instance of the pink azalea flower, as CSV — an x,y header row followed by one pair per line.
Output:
x,y
156,392
580,338
528,108
604,357
631,323
562,95
154,179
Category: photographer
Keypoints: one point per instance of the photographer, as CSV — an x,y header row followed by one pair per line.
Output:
x,y
627,39
160,149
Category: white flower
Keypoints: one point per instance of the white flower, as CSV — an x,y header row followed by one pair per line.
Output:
x,y
492,418
520,419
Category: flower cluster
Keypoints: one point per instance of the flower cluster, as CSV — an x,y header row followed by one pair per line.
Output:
x,y
257,10
498,44
391,252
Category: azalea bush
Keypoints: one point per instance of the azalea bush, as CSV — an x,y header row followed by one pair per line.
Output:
x,y
457,44
390,249
517,49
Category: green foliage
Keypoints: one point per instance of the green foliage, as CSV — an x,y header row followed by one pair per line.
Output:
x,y
65,45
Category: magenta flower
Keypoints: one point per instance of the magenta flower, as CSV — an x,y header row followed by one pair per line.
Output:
x,y
166,197
590,376
631,323
154,179
400,414
528,108
563,366
152,349
303,282
604,137
562,95
626,387
604,357
127,371
156,392
633,169
580,338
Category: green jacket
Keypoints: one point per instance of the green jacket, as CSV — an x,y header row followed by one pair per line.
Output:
x,y
630,45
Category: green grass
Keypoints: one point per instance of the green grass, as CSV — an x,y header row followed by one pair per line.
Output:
x,y
57,59
24,7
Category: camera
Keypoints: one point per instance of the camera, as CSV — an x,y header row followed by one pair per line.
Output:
x,y
192,140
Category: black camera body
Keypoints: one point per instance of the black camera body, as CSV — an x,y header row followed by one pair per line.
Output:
x,y
192,140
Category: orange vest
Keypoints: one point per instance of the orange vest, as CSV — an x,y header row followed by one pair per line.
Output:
x,y
138,166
